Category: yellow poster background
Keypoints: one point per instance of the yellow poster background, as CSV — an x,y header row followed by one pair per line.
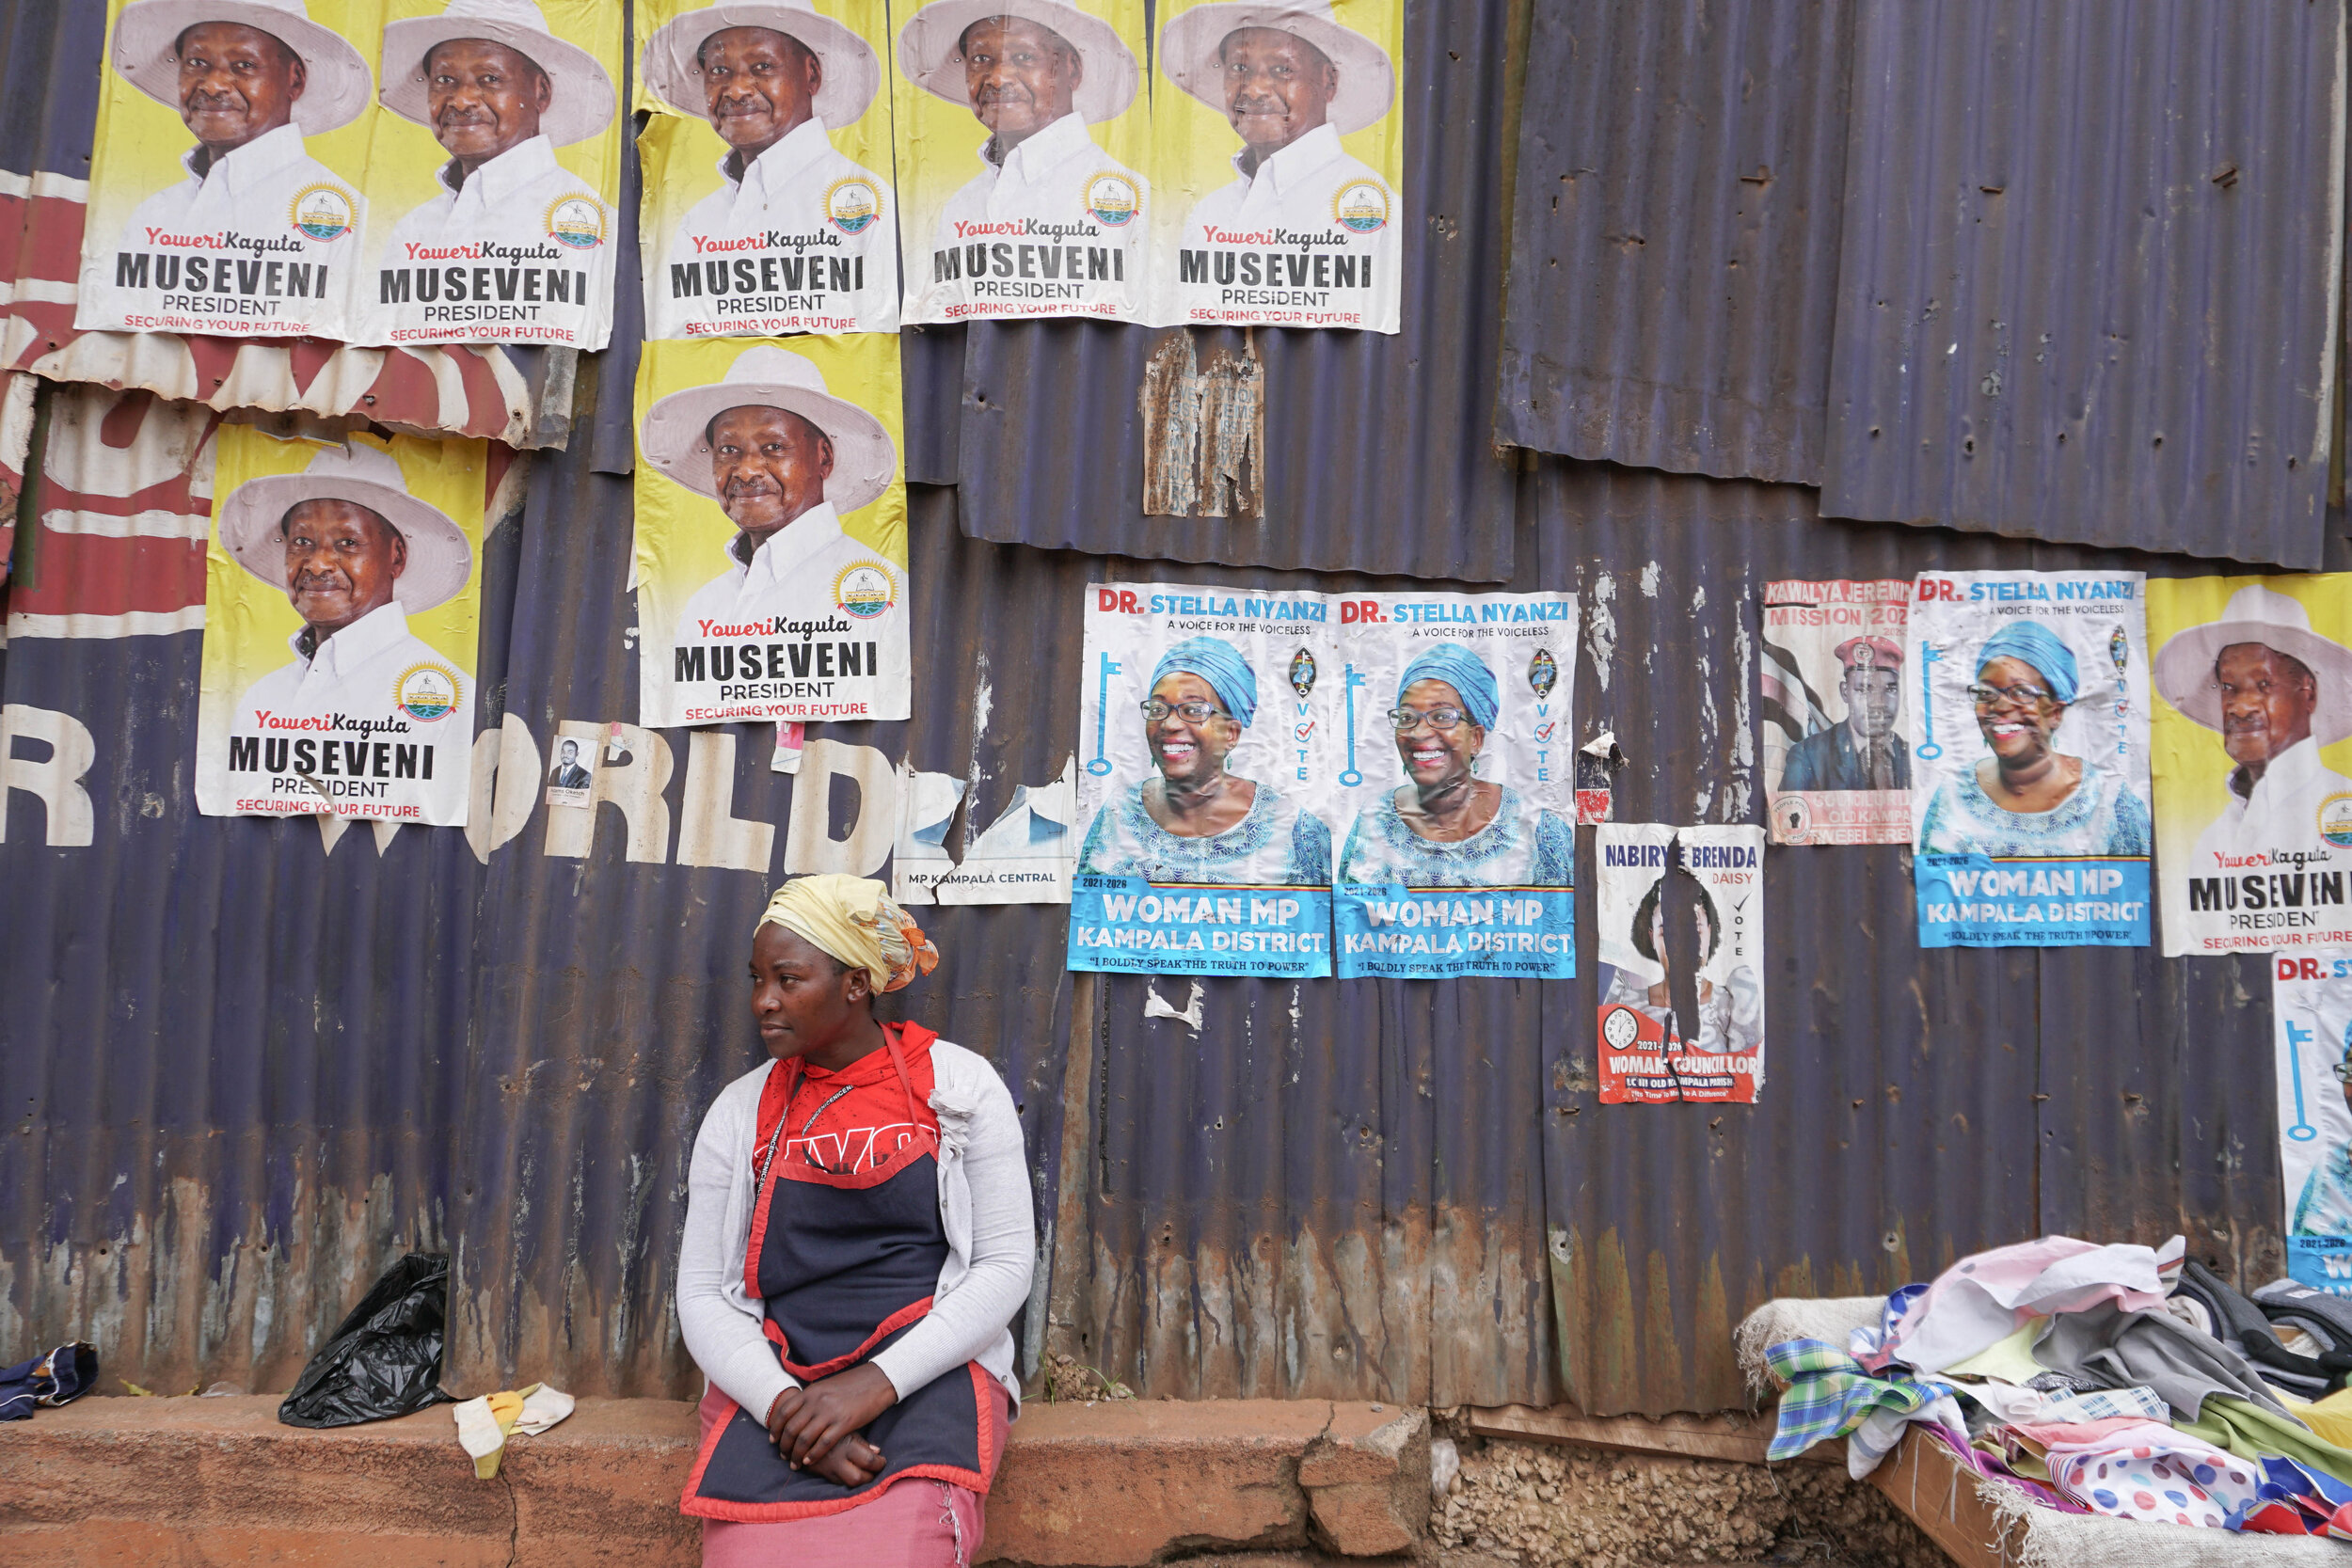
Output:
x,y
680,156
140,142
1193,145
248,622
939,142
682,536
403,161
2191,770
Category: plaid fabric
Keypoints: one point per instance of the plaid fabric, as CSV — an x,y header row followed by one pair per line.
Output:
x,y
1829,1394
2103,1404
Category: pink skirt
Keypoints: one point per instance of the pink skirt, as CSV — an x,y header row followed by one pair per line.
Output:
x,y
915,1522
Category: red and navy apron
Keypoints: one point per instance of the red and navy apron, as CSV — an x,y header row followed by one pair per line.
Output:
x,y
846,1262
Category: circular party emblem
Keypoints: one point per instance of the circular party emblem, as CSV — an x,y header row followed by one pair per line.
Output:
x,y
320,211
1360,207
426,691
861,591
1621,1028
1113,201
578,222
852,204
2335,820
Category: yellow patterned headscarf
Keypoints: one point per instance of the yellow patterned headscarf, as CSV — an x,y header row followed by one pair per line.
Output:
x,y
854,920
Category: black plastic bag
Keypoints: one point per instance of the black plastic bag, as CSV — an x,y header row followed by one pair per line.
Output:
x,y
385,1358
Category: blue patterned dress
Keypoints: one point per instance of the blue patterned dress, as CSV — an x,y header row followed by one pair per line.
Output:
x,y
1275,845
1519,849
2101,817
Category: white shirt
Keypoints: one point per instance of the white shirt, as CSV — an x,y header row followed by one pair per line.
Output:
x,y
983,1206
805,241
348,692
521,252
2280,812
806,577
221,252
1273,248
1027,236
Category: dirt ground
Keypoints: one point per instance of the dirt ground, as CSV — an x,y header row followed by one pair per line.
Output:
x,y
1550,1507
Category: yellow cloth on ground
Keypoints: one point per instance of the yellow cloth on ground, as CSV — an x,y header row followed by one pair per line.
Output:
x,y
854,920
2332,1417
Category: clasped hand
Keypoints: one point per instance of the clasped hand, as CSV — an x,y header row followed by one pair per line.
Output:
x,y
817,1426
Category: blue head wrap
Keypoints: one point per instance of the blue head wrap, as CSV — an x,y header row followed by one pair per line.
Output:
x,y
1464,670
1215,660
2041,648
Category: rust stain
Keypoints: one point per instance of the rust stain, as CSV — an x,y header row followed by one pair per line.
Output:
x,y
1204,430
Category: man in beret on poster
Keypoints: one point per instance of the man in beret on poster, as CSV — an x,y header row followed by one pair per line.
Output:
x,y
499,92
1862,749
1050,226
1291,81
798,237
258,237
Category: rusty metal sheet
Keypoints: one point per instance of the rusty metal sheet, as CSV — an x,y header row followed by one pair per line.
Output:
x,y
2090,284
1676,225
1377,452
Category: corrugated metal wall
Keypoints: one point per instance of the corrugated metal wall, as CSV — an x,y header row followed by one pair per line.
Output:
x,y
250,1065
2089,284
1676,230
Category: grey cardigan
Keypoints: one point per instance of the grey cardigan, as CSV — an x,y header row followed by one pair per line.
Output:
x,y
983,1205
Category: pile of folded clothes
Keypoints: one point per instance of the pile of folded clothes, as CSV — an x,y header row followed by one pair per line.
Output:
x,y
2085,1380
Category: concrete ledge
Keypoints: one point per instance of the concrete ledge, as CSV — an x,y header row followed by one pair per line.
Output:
x,y
1115,1484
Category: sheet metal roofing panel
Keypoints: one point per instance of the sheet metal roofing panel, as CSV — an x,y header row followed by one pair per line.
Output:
x,y
1674,234
2090,271
1904,1121
1376,452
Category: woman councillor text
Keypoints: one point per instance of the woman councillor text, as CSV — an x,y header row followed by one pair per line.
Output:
x,y
858,1238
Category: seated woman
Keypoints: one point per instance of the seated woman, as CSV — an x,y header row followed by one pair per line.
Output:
x,y
1193,821
2029,798
1446,827
858,1239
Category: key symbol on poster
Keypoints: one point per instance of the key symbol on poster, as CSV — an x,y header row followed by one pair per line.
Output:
x,y
1101,764
1928,748
2297,1038
1352,778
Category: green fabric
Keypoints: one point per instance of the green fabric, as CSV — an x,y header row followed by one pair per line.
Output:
x,y
2249,1432
2009,1361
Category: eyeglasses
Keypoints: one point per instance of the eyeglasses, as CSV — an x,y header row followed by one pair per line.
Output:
x,y
2343,1071
1992,696
1191,713
1440,718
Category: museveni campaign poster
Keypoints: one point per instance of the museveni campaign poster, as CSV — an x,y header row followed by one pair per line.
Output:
x,y
2028,732
1022,129
226,175
2253,743
493,174
2310,1013
1836,768
1457,806
341,607
1278,160
772,530
1646,1056
770,200
1205,731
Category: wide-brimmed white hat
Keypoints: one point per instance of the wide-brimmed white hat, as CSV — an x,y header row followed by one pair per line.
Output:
x,y
2184,667
580,99
929,56
865,459
336,82
1189,44
440,559
852,71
